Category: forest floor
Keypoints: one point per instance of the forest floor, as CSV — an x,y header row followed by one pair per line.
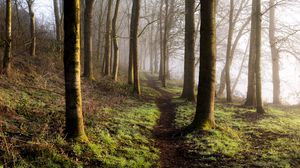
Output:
x,y
125,131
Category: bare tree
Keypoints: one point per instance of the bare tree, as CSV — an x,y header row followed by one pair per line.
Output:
x,y
88,63
8,40
74,117
32,27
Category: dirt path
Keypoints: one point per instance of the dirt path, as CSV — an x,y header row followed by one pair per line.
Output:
x,y
171,147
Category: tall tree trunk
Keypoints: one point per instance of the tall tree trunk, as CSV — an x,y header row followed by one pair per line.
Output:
x,y
57,24
228,53
107,40
7,50
189,52
32,28
204,117
74,118
275,54
115,42
134,45
251,89
165,44
161,46
88,63
100,20
259,102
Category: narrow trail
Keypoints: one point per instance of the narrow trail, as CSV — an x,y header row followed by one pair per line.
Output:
x,y
171,148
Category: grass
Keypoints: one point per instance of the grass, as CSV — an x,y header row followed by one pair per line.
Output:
x,y
243,138
118,125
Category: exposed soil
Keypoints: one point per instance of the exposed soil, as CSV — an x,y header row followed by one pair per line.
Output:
x,y
171,146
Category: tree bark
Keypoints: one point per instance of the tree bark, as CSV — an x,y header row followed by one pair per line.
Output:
x,y
275,54
251,89
8,40
259,102
189,56
88,63
204,117
115,42
32,28
107,40
74,118
134,45
57,24
228,53
100,20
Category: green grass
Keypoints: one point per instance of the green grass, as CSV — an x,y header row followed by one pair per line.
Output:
x,y
243,138
120,134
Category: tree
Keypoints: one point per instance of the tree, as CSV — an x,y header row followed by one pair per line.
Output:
x,y
189,52
88,63
257,13
8,40
228,53
134,45
204,117
275,54
107,40
115,42
74,117
57,23
251,88
32,27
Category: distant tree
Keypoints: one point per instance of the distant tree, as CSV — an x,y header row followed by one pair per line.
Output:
x,y
8,40
74,118
189,52
32,27
274,53
57,23
228,53
134,45
204,117
257,13
88,63
115,42
99,40
251,89
107,40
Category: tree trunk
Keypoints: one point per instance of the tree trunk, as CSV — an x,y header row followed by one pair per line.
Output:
x,y
115,42
228,53
74,118
189,56
259,102
7,50
134,45
32,28
100,20
204,117
165,43
88,63
275,55
57,25
107,40
251,89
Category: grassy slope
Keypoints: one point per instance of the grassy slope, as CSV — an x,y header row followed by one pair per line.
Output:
x,y
243,138
32,119
120,127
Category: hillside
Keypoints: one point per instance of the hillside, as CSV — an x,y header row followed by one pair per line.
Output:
x,y
125,131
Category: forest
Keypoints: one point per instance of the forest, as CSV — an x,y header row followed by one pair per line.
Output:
x,y
149,83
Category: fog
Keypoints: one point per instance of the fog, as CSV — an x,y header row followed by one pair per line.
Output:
x,y
288,26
